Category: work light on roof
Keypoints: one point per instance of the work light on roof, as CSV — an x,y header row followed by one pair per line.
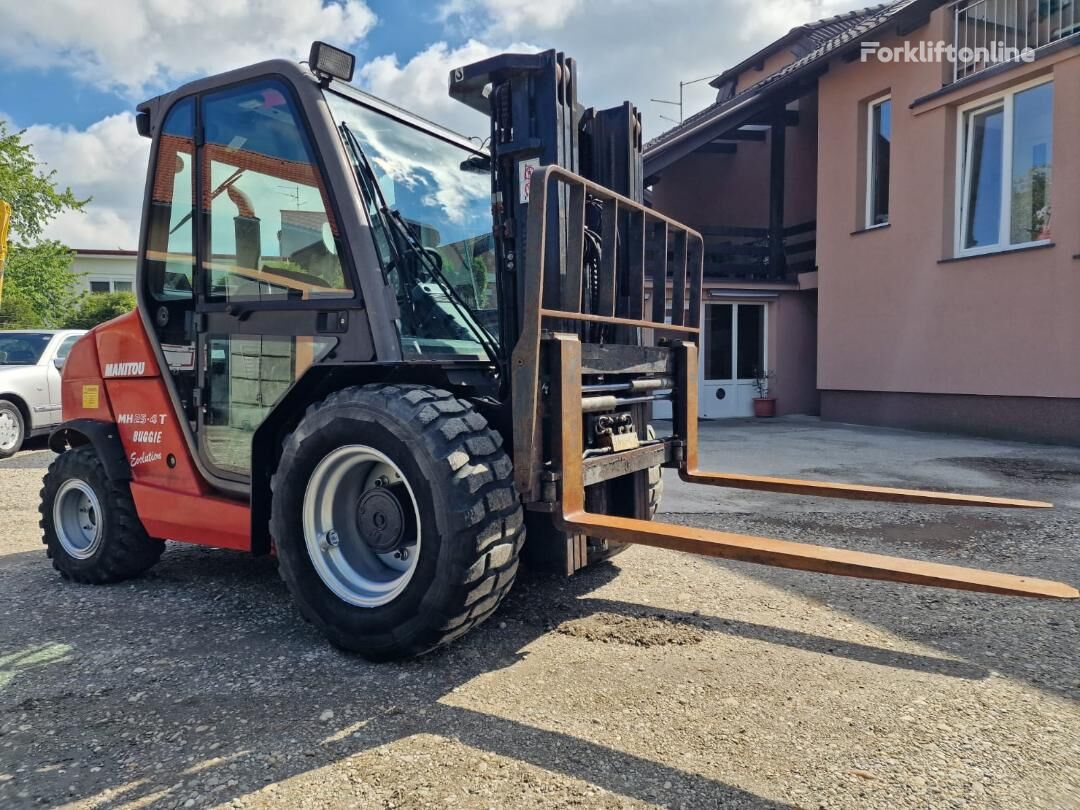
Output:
x,y
328,62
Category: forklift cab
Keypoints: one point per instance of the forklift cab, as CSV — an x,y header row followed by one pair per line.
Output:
x,y
280,206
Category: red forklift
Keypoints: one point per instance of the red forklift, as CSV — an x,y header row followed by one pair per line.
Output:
x,y
388,354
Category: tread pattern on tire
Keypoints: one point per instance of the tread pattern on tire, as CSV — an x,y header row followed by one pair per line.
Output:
x,y
126,550
481,485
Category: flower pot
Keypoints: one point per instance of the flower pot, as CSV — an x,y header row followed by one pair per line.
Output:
x,y
764,408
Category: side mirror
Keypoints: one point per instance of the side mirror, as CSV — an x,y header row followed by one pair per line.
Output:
x,y
59,363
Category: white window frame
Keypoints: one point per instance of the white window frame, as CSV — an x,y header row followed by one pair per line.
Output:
x,y
964,136
112,281
736,305
871,151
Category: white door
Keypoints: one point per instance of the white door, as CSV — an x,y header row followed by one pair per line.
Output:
x,y
733,350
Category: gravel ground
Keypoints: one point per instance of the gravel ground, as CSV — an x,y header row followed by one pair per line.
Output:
x,y
662,679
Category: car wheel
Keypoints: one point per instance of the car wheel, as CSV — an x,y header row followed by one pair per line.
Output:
x,y
12,428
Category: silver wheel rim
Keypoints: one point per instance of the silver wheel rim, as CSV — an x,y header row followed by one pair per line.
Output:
x,y
344,558
9,430
77,518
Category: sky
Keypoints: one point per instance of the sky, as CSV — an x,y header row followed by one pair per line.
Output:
x,y
72,71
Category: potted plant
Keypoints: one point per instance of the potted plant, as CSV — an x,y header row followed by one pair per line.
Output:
x,y
764,402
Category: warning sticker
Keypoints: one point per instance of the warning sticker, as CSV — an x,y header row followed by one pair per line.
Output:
x,y
90,397
525,172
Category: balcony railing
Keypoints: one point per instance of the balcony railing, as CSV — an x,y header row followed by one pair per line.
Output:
x,y
991,32
745,253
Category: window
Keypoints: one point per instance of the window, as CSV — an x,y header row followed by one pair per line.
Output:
x,y
443,192
65,346
22,348
272,235
169,249
719,337
750,349
246,376
734,341
1004,171
878,154
109,285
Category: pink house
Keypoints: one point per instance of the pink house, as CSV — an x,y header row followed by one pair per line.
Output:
x,y
889,205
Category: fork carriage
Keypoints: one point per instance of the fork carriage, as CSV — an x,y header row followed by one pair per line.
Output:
x,y
563,446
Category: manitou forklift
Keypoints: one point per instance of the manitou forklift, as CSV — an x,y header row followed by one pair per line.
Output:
x,y
383,353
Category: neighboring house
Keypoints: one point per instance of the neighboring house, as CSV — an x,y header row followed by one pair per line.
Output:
x,y
880,233
104,270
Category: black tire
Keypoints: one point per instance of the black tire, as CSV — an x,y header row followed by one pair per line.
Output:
x,y
124,551
598,551
9,410
471,521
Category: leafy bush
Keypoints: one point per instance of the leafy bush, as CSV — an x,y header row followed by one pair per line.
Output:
x,y
97,308
16,312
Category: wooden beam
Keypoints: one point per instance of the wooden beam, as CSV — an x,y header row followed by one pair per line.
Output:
x,y
791,118
718,148
777,153
743,135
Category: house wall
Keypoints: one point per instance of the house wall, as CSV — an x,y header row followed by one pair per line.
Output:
x,y
895,319
99,267
790,340
793,351
706,190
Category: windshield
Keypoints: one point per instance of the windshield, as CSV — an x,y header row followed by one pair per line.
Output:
x,y
442,192
22,348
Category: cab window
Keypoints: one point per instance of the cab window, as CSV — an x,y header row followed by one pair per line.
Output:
x,y
442,192
170,251
271,233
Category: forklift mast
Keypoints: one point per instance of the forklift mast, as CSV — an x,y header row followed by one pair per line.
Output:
x,y
579,255
536,120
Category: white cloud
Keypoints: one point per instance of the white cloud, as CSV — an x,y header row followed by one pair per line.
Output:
x,y
135,46
106,161
769,20
625,50
518,16
628,49
422,84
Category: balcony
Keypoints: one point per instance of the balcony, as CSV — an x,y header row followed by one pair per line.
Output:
x,y
749,254
991,32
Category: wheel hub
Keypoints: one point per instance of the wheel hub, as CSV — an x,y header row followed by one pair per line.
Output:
x,y
77,518
380,519
8,430
361,525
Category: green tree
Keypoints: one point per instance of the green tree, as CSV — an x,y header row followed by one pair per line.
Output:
x,y
39,286
38,281
100,307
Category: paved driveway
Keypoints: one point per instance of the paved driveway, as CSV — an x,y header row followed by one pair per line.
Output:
x,y
663,679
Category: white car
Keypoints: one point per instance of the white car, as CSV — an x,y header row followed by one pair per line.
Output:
x,y
30,363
